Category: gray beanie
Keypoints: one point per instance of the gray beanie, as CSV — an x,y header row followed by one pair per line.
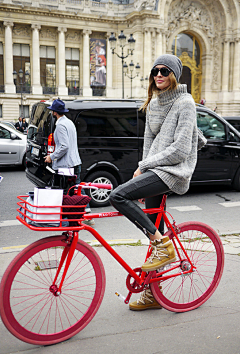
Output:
x,y
172,62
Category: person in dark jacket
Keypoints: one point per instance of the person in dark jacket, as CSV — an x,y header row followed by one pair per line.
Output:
x,y
24,124
19,125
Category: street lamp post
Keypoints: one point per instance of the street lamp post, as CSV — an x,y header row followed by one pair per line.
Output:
x,y
131,77
122,43
142,80
20,74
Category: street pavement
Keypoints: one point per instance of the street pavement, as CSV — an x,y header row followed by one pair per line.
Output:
x,y
212,328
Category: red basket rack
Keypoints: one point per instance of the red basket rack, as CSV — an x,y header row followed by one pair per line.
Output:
x,y
75,215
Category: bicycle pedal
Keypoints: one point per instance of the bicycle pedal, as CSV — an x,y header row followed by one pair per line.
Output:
x,y
121,297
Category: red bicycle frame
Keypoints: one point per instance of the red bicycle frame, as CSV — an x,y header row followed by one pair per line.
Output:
x,y
72,234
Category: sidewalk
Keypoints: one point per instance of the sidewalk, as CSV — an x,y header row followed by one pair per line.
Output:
x,y
213,328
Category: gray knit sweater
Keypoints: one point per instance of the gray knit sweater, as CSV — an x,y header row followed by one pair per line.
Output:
x,y
170,139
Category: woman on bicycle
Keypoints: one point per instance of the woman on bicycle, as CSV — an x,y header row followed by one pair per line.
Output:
x,y
168,162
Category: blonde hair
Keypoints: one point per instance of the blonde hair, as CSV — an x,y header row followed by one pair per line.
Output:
x,y
152,89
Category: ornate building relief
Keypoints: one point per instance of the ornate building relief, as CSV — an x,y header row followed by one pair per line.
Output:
x,y
21,31
73,36
144,4
99,35
194,15
47,33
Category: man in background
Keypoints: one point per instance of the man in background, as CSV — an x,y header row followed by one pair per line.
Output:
x,y
19,125
65,136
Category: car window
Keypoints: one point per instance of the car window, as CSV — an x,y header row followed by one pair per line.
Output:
x,y
4,133
141,122
111,122
211,127
31,132
40,125
233,137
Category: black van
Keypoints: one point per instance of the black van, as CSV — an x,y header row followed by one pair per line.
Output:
x,y
110,142
234,121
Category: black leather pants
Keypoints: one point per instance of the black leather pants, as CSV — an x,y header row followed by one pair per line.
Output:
x,y
149,186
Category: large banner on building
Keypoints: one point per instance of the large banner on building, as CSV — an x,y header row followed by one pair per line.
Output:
x,y
98,62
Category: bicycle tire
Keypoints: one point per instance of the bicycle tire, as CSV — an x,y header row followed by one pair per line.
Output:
x,y
205,250
35,315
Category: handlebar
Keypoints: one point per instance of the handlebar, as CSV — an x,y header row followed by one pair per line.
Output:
x,y
90,185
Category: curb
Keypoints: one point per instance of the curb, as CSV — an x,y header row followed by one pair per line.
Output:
x,y
229,247
93,243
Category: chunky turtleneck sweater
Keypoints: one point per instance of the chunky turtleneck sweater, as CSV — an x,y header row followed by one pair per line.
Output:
x,y
171,138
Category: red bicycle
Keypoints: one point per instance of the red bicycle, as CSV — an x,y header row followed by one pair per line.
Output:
x,y
53,288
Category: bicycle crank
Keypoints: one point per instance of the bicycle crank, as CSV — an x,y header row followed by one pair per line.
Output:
x,y
131,283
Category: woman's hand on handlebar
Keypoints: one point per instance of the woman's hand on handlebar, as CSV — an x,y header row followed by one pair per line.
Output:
x,y
137,173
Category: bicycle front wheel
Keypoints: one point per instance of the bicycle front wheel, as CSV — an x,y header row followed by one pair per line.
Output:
x,y
204,248
28,308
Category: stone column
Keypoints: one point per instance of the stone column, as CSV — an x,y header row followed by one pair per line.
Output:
x,y
236,65
35,80
207,60
8,58
225,65
164,45
147,51
109,88
159,44
87,91
62,89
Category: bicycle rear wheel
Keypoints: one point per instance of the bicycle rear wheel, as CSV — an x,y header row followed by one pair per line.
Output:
x,y
205,250
34,314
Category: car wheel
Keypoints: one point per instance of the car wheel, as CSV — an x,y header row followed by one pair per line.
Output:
x,y
24,162
236,181
100,197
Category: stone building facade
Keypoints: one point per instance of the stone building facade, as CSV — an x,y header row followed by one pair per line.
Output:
x,y
52,40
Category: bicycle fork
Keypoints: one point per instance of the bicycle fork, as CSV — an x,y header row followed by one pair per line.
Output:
x,y
66,255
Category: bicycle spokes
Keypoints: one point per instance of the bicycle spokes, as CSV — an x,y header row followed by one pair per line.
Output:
x,y
186,285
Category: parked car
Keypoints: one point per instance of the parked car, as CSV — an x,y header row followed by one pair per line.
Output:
x,y
10,124
110,141
12,146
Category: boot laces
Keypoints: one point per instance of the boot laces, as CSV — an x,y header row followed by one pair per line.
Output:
x,y
157,253
146,295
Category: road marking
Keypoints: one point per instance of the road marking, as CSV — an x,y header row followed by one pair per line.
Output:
x,y
230,204
11,249
14,247
10,223
186,208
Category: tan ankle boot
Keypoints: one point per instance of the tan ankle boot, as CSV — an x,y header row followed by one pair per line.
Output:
x,y
163,253
145,302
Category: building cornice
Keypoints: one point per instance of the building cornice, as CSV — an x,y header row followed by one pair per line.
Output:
x,y
101,17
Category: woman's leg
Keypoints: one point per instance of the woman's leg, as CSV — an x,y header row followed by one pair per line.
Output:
x,y
144,186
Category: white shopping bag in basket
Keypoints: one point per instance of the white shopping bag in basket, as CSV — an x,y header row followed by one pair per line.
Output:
x,y
47,197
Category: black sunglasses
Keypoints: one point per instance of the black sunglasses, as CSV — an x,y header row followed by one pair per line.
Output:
x,y
164,71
